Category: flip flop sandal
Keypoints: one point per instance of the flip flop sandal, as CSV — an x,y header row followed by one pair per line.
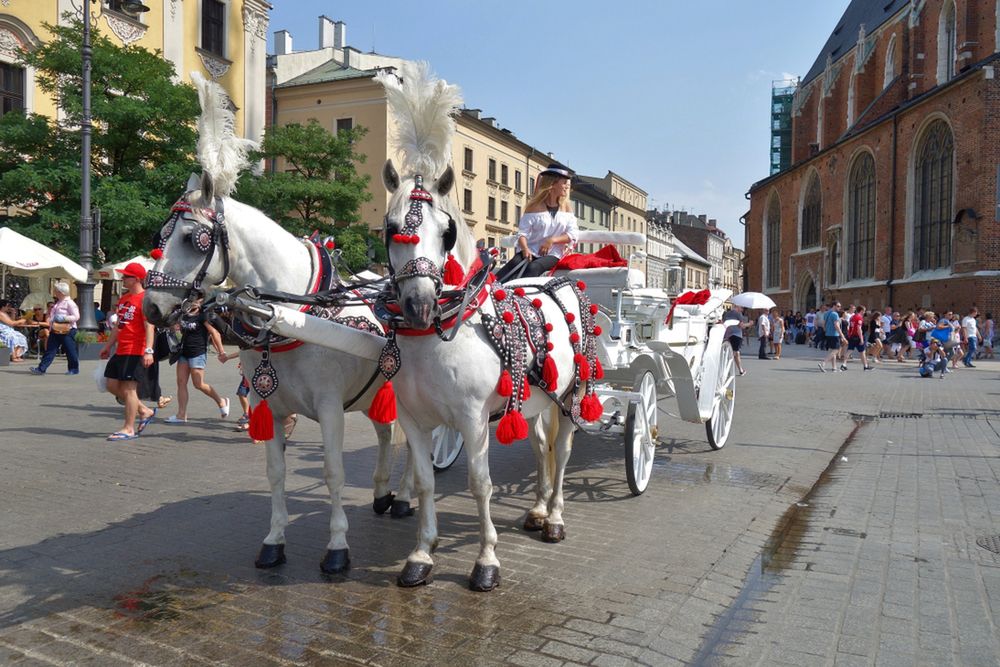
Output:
x,y
141,426
121,435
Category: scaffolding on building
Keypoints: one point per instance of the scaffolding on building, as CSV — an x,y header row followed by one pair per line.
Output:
x,y
782,93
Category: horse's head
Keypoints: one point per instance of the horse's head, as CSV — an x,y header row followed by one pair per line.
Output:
x,y
422,227
192,252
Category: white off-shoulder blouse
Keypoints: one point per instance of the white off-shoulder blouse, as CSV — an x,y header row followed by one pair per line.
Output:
x,y
536,227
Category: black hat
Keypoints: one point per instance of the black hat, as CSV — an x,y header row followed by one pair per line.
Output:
x,y
556,169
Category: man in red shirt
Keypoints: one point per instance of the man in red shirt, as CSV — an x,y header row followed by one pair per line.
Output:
x,y
856,337
126,370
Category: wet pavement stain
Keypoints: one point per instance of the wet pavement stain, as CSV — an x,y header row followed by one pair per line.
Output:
x,y
159,598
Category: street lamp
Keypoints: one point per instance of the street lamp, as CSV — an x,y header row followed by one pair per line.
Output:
x,y
85,290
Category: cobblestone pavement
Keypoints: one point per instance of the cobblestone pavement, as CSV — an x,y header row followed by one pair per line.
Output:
x,y
823,533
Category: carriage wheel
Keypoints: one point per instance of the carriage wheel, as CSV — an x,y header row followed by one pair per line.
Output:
x,y
447,447
718,425
640,434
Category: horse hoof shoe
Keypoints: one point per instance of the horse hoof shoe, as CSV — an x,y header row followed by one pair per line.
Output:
x,y
381,505
553,532
484,578
415,574
335,561
400,509
271,555
533,522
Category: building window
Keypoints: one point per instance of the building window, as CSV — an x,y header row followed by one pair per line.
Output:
x,y
811,214
517,180
491,172
120,7
467,200
890,63
503,174
932,207
861,219
834,262
491,242
947,42
517,214
468,160
503,211
213,25
531,185
592,214
772,272
491,208
345,125
11,88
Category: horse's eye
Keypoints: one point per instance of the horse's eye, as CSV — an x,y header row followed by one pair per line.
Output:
x,y
391,228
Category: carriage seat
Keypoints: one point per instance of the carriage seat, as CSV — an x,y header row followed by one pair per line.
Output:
x,y
601,282
718,298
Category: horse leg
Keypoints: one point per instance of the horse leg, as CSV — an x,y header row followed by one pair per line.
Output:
x,y
384,498
555,529
331,423
419,563
486,572
272,552
540,439
401,505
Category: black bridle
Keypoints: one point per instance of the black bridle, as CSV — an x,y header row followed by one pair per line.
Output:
x,y
418,267
204,240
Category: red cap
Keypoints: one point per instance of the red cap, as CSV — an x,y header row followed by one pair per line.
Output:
x,y
134,269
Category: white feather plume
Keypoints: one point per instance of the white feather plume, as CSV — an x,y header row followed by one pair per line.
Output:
x,y
422,106
221,153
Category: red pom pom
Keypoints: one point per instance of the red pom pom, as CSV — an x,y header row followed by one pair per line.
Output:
x,y
574,338
156,254
512,427
590,408
414,239
598,369
585,371
579,359
494,252
400,238
261,422
499,295
519,291
550,374
548,327
525,389
505,387
508,317
330,245
537,303
570,317
550,347
383,407
593,309
598,330
453,272
580,285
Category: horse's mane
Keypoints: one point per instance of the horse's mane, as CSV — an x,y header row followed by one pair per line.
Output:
x,y
422,106
221,153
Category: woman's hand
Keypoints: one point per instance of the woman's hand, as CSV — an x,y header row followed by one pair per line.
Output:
x,y
546,245
223,357
105,352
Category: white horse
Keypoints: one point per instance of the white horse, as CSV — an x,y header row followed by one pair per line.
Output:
x,y
210,238
455,382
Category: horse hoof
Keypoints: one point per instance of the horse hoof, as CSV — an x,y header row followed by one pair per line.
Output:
x,y
335,561
534,522
484,578
415,574
553,532
271,555
380,505
401,509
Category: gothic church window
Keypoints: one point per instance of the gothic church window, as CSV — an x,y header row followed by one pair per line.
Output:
x,y
811,213
861,219
932,199
772,272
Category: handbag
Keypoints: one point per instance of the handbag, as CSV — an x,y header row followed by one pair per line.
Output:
x,y
167,345
61,327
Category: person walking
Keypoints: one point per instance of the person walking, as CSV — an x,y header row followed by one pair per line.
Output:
x,y
988,333
856,337
971,329
126,370
764,333
834,337
734,333
778,333
196,333
63,317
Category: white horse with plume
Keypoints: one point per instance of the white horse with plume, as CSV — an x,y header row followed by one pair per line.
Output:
x,y
211,238
463,381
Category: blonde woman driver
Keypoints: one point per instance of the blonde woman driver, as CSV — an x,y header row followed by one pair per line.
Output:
x,y
547,228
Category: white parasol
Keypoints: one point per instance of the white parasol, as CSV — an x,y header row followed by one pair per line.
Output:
x,y
753,300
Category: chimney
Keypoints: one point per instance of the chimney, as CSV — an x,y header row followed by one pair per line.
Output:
x,y
349,59
339,35
282,42
474,113
327,30
490,120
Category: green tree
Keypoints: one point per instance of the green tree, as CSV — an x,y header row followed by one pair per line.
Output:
x,y
143,145
315,186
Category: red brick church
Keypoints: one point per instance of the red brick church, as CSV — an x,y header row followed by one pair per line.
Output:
x,y
890,195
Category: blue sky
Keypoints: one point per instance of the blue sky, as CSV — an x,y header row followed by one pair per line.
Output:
x,y
673,95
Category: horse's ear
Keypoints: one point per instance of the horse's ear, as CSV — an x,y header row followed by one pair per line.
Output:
x,y
194,182
446,181
207,188
389,177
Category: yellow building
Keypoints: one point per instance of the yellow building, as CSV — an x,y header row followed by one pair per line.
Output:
x,y
224,39
628,211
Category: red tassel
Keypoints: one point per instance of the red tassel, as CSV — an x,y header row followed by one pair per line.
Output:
x,y
156,254
383,407
453,273
526,392
585,371
512,427
590,408
598,370
261,422
549,372
505,387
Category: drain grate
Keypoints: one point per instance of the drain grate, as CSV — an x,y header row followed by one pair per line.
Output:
x,y
990,543
900,415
